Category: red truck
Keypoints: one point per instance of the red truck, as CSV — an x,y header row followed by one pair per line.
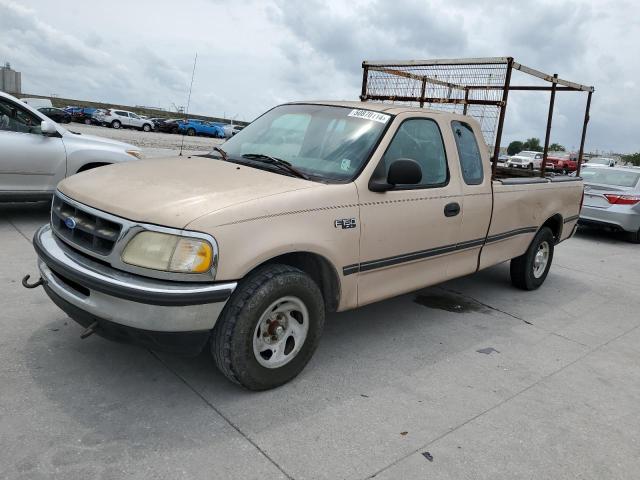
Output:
x,y
562,162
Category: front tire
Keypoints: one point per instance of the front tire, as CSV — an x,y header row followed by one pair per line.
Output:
x,y
146,127
191,132
269,328
530,270
116,124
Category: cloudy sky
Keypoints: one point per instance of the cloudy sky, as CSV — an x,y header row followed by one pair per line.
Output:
x,y
253,54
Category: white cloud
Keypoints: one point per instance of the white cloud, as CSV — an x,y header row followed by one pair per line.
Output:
x,y
254,54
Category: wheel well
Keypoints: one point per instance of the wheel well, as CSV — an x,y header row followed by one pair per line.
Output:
x,y
319,269
89,166
555,224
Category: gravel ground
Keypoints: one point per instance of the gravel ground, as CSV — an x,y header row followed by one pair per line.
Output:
x,y
153,144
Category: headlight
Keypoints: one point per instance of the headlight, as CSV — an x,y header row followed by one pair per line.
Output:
x,y
136,153
170,253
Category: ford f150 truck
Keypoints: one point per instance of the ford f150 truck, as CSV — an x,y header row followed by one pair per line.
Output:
x,y
312,208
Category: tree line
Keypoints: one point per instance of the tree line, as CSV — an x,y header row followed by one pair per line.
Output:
x,y
533,145
633,159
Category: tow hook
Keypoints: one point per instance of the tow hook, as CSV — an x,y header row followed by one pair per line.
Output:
x,y
90,330
26,284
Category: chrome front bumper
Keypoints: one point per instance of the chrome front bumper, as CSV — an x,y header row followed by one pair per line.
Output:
x,y
126,299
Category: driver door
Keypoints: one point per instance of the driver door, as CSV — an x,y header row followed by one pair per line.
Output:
x,y
409,234
30,162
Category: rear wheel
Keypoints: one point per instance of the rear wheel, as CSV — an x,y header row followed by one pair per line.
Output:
x,y
116,124
269,328
87,121
530,270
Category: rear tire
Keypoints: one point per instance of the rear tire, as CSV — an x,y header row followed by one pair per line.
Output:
x,y
116,124
242,347
530,270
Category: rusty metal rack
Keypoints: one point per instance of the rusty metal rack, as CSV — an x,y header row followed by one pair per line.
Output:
x,y
478,87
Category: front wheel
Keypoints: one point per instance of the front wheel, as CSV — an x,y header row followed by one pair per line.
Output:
x,y
191,132
116,124
529,270
269,328
146,127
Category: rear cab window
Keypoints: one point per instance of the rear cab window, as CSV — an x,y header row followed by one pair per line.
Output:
x,y
468,153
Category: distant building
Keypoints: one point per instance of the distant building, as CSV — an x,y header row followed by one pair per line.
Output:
x,y
10,80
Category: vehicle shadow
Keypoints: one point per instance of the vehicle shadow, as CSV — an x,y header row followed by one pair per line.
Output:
x,y
602,235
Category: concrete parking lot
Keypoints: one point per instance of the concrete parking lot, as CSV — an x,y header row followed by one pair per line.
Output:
x,y
472,379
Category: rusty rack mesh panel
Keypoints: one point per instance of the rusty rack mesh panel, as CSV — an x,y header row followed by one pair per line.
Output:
x,y
451,88
478,87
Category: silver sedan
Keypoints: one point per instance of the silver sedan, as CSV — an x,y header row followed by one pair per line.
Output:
x,y
612,199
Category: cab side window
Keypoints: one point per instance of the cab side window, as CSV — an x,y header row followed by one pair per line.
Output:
x,y
14,118
468,153
419,139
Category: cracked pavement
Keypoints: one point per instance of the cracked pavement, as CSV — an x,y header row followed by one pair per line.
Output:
x,y
397,389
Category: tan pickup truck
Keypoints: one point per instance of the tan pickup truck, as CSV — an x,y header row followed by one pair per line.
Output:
x,y
315,207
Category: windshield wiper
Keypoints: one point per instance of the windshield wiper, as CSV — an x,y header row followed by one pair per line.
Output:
x,y
277,162
222,153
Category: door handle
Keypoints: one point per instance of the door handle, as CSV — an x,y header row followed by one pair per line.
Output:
x,y
451,209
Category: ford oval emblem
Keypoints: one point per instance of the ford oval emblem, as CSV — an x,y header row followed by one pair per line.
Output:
x,y
70,222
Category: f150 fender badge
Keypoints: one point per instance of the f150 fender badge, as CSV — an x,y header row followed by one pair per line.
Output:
x,y
345,223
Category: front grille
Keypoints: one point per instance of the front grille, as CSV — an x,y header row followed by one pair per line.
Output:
x,y
83,229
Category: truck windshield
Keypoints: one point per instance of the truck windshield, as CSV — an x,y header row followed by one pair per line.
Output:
x,y
323,142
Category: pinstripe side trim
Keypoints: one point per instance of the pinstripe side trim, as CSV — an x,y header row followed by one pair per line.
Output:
x,y
432,252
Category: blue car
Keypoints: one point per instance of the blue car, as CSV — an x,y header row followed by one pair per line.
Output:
x,y
193,127
81,114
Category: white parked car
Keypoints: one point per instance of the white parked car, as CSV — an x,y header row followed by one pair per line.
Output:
x,y
122,119
602,161
231,130
36,153
525,159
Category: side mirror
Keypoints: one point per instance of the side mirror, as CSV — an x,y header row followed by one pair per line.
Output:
x,y
403,171
48,128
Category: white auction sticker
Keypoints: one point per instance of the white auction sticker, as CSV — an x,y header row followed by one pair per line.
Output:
x,y
369,115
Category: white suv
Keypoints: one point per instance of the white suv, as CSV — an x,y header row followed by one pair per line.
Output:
x,y
121,118
525,159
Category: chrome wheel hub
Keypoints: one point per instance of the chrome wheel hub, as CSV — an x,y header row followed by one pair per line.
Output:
x,y
281,332
541,259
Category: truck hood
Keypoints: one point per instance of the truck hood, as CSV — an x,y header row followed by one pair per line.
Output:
x,y
174,191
